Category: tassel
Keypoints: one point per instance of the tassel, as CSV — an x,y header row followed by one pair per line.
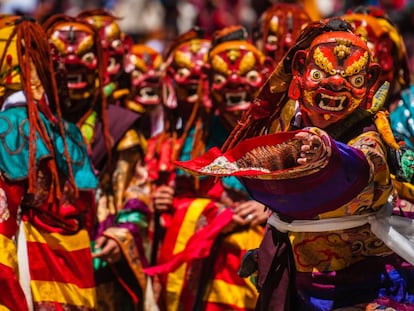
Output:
x,y
294,88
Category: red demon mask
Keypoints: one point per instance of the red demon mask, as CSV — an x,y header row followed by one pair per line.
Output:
x,y
333,77
235,74
278,28
386,45
183,72
112,40
74,46
145,92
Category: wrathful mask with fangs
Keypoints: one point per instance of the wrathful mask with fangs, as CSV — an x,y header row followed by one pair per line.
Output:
x,y
184,69
331,103
114,42
145,74
236,101
336,79
76,54
236,75
149,95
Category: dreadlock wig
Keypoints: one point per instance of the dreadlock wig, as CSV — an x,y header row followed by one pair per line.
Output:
x,y
46,181
26,65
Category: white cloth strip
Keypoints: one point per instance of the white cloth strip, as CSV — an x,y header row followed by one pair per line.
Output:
x,y
319,225
395,231
24,272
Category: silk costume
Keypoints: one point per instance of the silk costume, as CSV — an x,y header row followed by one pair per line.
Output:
x,y
332,242
46,219
197,264
114,146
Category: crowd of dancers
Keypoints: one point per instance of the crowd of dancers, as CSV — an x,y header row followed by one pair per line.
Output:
x,y
263,169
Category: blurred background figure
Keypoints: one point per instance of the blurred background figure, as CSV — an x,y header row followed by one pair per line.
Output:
x,y
277,29
388,49
217,83
116,45
47,182
214,15
144,68
116,149
184,134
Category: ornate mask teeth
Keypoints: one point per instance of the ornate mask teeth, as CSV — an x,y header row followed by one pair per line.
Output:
x,y
74,80
327,99
148,93
235,99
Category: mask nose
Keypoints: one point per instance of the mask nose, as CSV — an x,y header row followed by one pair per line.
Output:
x,y
233,80
336,82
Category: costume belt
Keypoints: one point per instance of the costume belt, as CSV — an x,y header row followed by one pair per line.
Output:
x,y
396,232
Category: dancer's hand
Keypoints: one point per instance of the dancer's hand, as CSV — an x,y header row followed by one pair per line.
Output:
x,y
162,198
311,148
107,249
250,213
247,213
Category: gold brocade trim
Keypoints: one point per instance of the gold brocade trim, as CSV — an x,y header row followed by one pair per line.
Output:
x,y
117,94
119,180
405,190
131,105
130,178
105,207
283,123
132,138
279,80
334,250
126,241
